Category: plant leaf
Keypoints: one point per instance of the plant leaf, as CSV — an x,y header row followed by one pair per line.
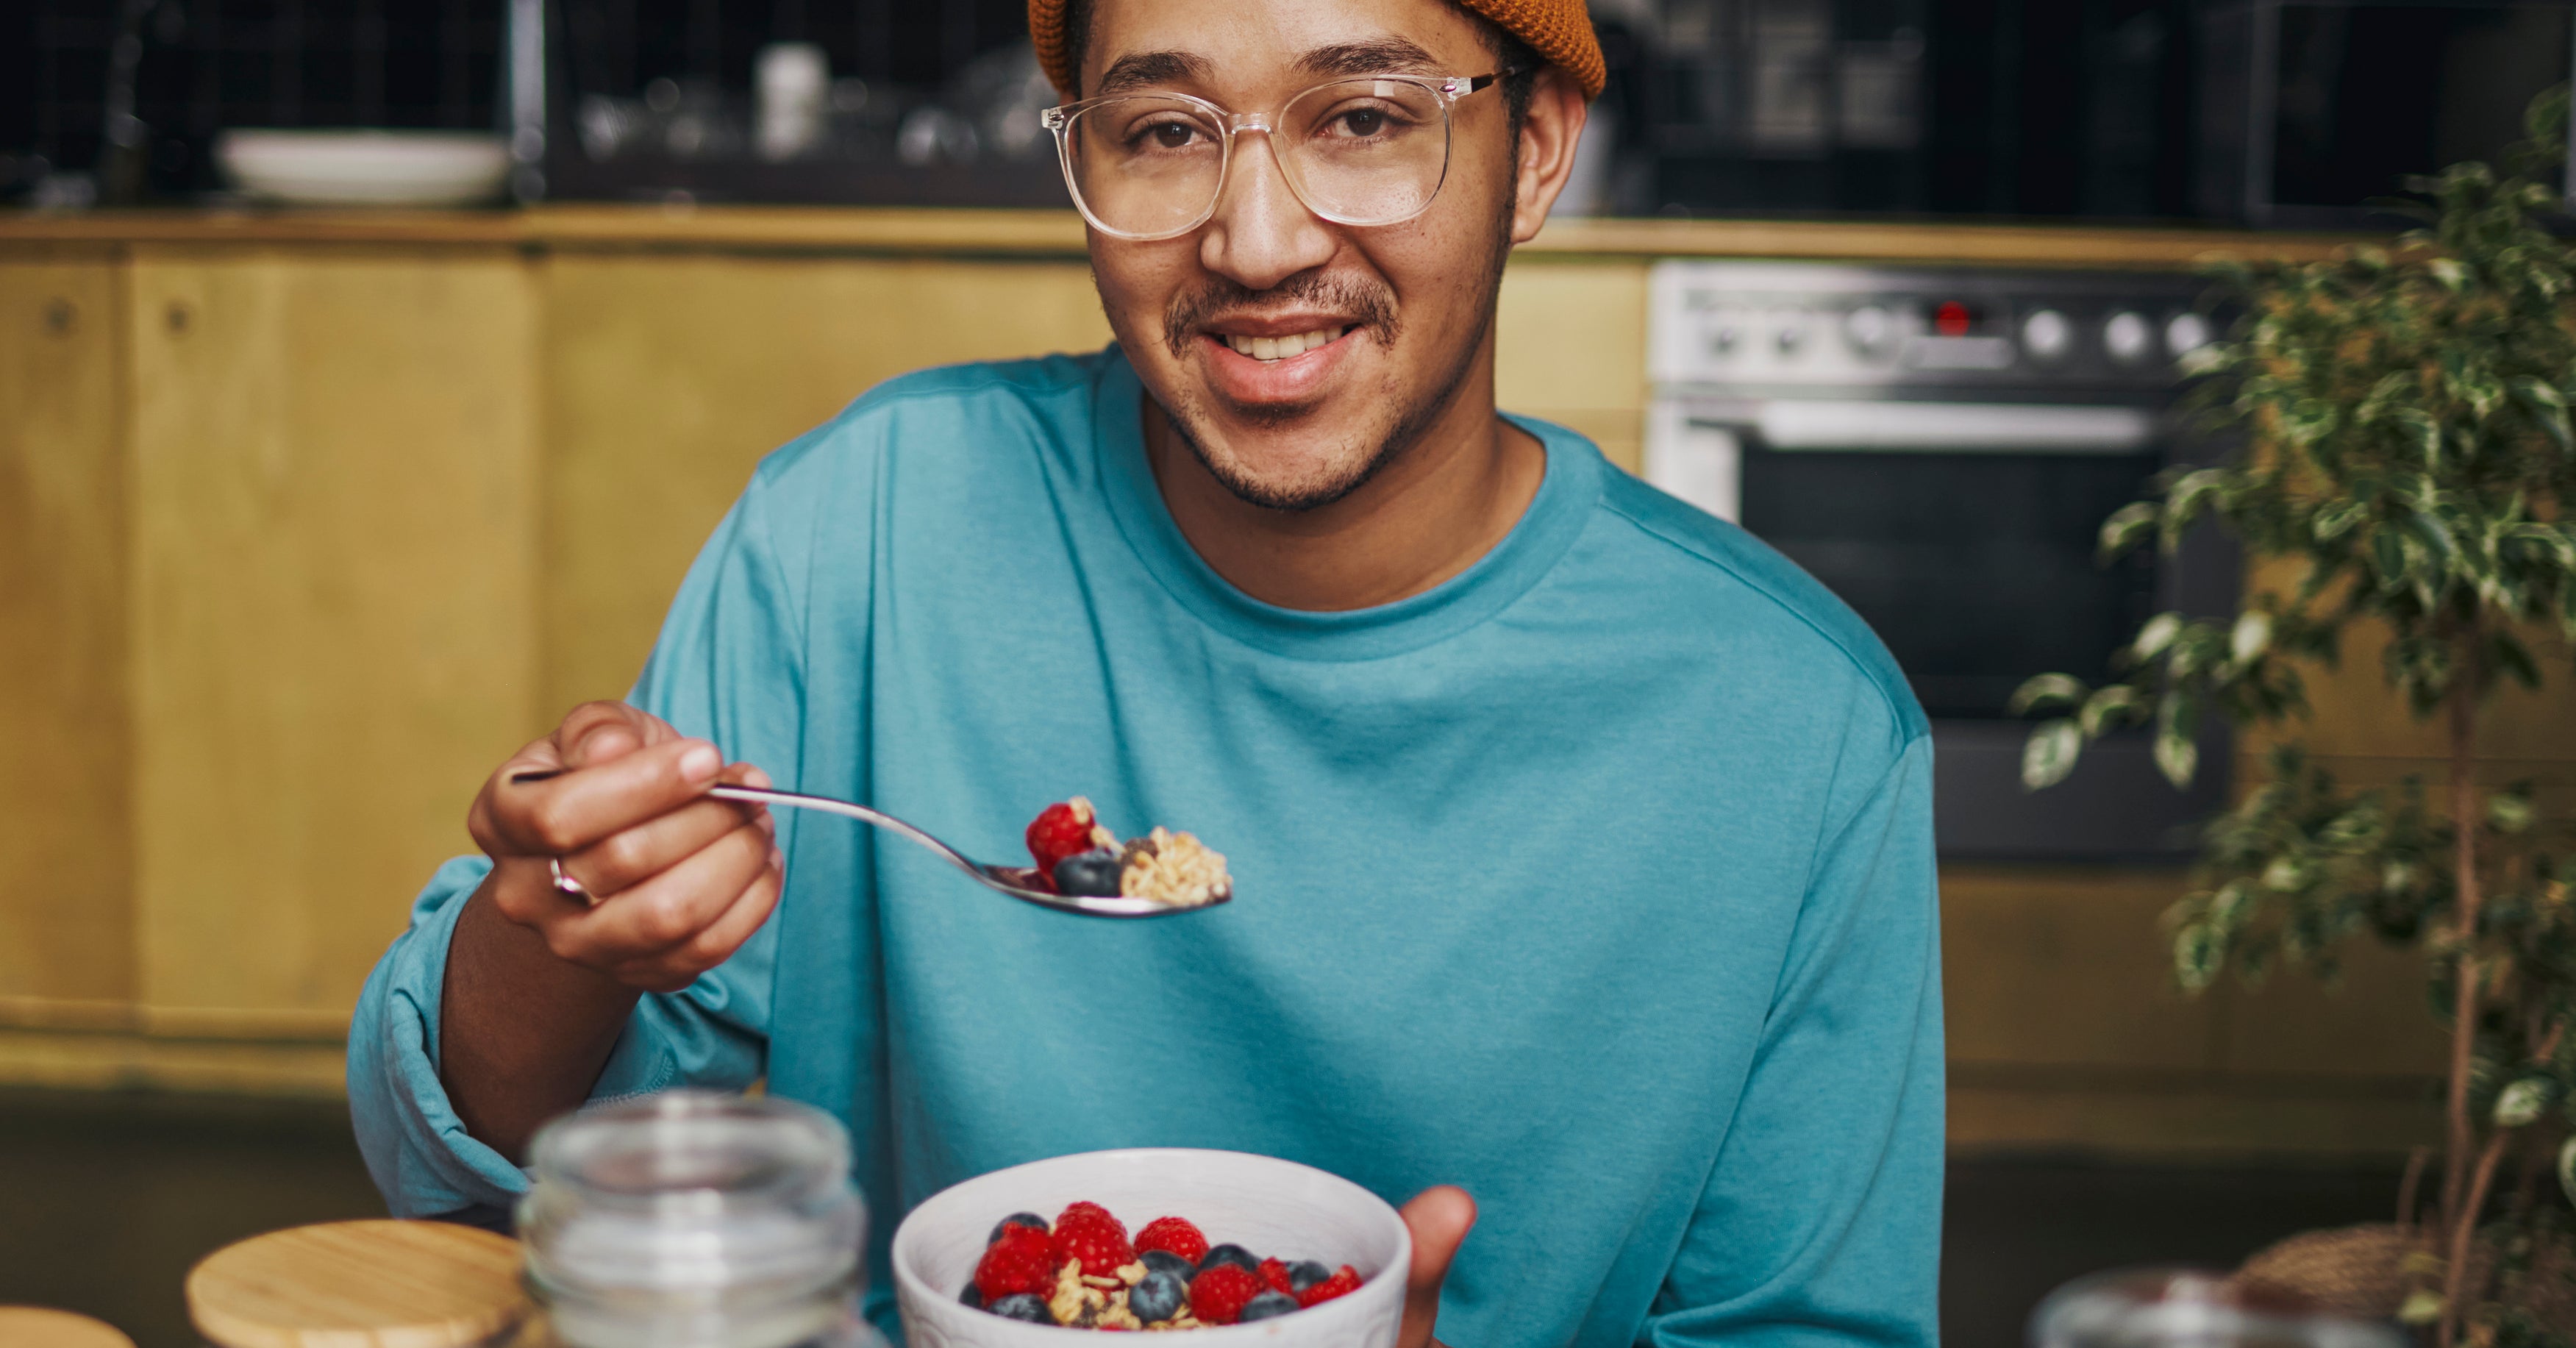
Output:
x,y
2043,691
2050,752
2524,1101
2158,633
2253,633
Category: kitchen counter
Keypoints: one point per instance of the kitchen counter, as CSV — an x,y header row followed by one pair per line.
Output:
x,y
1050,234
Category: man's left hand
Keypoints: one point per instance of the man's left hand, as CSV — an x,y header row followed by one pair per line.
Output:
x,y
1439,1219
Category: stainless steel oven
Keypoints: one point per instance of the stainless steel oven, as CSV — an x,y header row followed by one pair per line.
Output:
x,y
1940,447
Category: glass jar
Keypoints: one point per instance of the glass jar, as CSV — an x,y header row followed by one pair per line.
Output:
x,y
696,1220
2192,1308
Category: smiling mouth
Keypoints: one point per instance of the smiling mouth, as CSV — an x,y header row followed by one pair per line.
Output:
x,y
1280,348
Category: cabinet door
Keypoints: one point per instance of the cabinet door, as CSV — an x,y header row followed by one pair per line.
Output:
x,y
669,377
66,915
334,570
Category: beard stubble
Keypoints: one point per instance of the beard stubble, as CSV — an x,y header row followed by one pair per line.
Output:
x,y
1372,303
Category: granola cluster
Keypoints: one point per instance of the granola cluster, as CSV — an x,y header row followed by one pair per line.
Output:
x,y
1175,869
1077,855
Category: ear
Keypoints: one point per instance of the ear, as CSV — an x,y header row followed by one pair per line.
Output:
x,y
1548,136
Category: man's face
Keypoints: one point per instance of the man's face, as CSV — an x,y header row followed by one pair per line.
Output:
x,y
1383,323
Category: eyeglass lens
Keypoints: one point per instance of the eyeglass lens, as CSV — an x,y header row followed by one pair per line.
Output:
x,y
1357,152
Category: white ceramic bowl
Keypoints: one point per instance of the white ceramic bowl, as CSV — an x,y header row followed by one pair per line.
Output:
x,y
365,168
1266,1205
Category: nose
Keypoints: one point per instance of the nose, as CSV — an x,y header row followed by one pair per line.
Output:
x,y
1261,233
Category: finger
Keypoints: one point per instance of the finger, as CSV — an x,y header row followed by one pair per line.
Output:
x,y
524,890
1439,1219
631,856
663,912
601,732
482,818
563,815
677,968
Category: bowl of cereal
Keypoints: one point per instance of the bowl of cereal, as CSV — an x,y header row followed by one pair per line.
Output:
x,y
1249,1248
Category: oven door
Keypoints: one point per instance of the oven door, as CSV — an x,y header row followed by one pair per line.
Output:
x,y
1965,535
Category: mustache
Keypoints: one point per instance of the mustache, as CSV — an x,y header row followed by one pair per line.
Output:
x,y
1370,304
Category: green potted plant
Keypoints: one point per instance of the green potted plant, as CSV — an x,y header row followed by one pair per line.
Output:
x,y
2402,452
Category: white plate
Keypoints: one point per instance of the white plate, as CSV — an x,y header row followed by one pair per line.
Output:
x,y
366,168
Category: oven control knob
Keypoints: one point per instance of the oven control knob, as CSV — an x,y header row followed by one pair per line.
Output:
x,y
2046,335
2185,333
1791,331
2128,337
1871,329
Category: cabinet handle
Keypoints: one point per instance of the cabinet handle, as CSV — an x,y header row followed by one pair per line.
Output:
x,y
61,316
177,316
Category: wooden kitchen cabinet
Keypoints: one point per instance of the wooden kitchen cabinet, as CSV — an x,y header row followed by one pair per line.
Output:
x,y
66,912
334,500
269,523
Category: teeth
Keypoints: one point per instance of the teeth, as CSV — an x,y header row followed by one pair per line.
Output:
x,y
1281,348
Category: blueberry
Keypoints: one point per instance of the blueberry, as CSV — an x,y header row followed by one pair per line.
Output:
x,y
1158,1297
1306,1273
1026,1306
1231,1254
1164,1261
972,1298
1094,873
1027,1219
1266,1305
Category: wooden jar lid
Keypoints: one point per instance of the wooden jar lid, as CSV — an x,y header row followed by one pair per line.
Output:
x,y
371,1284
37,1327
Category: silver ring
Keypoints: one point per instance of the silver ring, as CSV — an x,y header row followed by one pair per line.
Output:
x,y
565,884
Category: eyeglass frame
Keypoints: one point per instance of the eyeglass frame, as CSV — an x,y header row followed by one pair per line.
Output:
x,y
1447,88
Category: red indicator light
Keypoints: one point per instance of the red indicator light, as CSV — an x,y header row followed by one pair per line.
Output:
x,y
1952,319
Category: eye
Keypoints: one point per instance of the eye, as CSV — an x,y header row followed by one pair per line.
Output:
x,y
1363,121
1164,133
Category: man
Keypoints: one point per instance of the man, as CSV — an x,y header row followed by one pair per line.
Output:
x,y
1581,844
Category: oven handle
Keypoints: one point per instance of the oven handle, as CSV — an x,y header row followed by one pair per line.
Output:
x,y
1992,428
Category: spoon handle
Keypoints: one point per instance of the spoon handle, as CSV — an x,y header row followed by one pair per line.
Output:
x,y
798,800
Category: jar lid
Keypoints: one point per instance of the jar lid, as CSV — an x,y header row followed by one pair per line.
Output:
x,y
37,1327
366,1284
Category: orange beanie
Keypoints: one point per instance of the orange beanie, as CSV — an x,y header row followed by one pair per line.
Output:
x,y
1560,30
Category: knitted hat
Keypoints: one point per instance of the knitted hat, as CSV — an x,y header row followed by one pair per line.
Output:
x,y
1560,30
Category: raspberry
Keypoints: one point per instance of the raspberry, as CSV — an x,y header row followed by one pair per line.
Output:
x,y
1217,1296
1076,1211
1023,1260
1174,1234
1099,1242
1345,1280
1061,830
1276,1274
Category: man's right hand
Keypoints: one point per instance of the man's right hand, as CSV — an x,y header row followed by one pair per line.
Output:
x,y
678,880
540,982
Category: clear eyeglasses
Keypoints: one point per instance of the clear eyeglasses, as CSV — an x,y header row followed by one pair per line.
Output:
x,y
1371,150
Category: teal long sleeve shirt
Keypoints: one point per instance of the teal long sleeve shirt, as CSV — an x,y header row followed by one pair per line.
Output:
x,y
1597,880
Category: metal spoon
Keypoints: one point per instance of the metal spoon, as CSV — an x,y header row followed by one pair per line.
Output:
x,y
1011,880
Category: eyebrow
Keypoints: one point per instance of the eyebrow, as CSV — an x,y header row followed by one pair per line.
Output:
x,y
1388,55
1145,69
1151,69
